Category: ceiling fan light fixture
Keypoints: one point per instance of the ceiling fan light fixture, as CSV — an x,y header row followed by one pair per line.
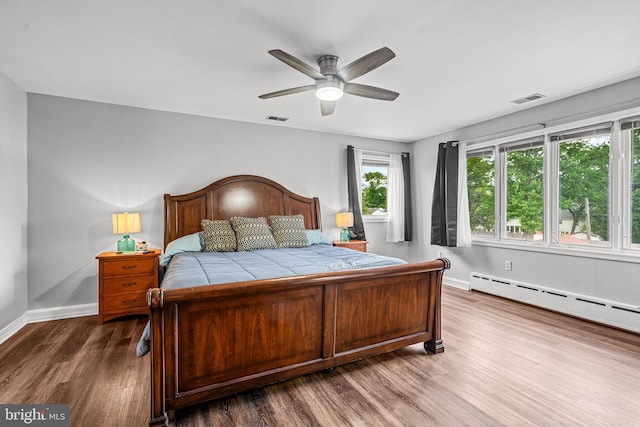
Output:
x,y
330,83
329,90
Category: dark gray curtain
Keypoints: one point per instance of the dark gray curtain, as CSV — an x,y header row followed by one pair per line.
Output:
x,y
444,209
408,218
357,231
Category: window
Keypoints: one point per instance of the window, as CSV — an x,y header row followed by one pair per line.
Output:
x,y
630,130
635,186
481,191
566,188
524,200
583,205
375,170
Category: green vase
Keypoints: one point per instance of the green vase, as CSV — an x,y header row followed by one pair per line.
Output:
x,y
126,244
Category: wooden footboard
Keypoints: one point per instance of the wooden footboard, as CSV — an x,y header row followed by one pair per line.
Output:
x,y
213,341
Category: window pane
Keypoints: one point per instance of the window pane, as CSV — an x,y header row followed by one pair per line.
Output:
x,y
635,188
584,191
374,189
481,189
524,171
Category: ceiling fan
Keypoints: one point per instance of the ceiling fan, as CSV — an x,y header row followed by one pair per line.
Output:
x,y
331,83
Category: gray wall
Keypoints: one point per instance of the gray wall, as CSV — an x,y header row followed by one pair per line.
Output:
x,y
13,193
614,280
88,160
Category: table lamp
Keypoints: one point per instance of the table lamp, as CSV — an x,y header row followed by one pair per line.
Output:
x,y
344,220
125,223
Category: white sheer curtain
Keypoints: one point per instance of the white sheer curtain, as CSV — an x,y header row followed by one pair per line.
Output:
x,y
464,226
395,199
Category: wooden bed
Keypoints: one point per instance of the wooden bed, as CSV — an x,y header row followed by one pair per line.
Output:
x,y
212,341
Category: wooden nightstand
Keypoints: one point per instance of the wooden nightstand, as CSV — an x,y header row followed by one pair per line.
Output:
x,y
123,283
357,245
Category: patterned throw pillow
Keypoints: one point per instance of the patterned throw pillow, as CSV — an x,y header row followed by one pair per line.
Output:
x,y
288,230
252,233
218,236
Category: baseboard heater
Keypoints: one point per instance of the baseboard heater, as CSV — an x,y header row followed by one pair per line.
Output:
x,y
612,313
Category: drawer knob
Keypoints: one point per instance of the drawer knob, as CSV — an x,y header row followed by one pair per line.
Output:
x,y
128,301
128,267
129,284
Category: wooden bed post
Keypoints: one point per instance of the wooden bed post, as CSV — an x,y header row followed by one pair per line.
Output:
x,y
158,411
435,344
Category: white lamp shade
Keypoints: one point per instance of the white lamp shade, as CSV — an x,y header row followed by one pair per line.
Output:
x,y
344,219
124,223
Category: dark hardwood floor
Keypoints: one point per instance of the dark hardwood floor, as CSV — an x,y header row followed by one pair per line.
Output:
x,y
505,363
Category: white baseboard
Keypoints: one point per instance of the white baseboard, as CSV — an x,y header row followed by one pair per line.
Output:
x,y
13,327
456,283
46,314
55,313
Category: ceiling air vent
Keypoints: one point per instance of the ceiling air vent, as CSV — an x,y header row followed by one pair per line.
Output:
x,y
529,98
278,119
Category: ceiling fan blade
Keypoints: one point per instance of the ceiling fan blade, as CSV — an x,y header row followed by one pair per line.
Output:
x,y
294,62
327,107
370,92
287,91
365,64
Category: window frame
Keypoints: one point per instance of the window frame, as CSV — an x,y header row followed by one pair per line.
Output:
x,y
480,153
626,144
555,139
620,169
503,149
374,159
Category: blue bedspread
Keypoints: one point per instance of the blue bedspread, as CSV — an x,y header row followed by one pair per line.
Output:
x,y
204,268
190,269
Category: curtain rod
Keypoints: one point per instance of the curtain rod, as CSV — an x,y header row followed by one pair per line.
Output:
x,y
379,152
453,143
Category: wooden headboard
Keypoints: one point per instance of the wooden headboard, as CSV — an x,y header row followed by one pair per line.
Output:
x,y
240,195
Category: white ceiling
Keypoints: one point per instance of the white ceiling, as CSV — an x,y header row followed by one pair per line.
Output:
x,y
457,62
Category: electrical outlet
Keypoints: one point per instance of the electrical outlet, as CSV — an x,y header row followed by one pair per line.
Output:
x,y
439,254
507,265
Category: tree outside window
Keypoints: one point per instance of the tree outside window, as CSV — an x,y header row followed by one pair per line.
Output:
x,y
525,198
374,189
481,193
584,191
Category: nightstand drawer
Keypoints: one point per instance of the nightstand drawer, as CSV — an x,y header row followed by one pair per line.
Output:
x,y
123,283
128,284
124,302
125,267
